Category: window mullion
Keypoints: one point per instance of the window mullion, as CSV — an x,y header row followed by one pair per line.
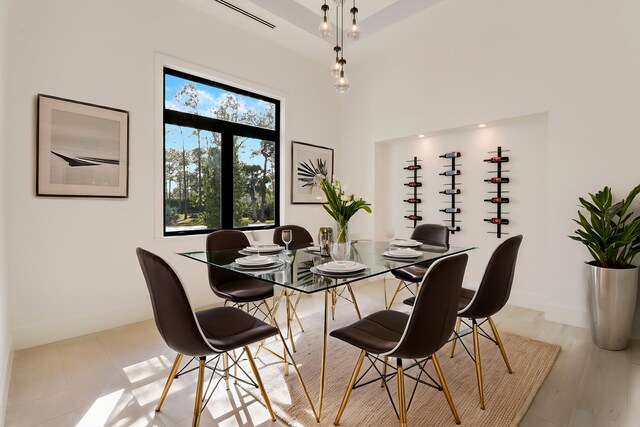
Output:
x,y
226,196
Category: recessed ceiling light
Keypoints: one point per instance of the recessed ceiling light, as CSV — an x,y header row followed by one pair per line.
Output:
x,y
421,136
482,125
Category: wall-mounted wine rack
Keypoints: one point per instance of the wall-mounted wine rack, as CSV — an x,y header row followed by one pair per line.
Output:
x,y
413,200
497,197
452,191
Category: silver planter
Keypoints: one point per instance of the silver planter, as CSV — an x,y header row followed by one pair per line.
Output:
x,y
612,303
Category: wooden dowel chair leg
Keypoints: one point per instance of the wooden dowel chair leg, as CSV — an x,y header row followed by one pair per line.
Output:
x,y
167,386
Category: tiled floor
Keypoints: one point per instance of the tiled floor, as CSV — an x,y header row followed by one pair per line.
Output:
x,y
114,378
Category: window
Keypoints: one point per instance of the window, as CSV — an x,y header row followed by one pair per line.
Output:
x,y
220,157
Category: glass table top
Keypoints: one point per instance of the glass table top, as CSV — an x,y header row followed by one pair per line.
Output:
x,y
298,269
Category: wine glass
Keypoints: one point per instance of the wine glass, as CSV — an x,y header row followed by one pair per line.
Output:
x,y
340,252
286,238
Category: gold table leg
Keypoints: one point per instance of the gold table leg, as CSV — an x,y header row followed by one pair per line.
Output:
x,y
355,303
324,352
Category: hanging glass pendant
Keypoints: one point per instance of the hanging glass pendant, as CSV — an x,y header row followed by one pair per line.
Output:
x,y
342,83
325,27
354,31
335,67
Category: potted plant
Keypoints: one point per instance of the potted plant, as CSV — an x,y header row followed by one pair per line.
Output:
x,y
611,233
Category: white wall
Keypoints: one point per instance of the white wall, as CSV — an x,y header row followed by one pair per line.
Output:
x,y
5,335
72,266
526,139
576,60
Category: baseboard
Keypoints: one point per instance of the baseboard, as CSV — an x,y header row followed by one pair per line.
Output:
x,y
526,299
567,315
7,363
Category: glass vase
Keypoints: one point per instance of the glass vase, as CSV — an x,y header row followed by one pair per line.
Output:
x,y
342,232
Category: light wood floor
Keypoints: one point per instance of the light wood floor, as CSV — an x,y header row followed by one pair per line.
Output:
x,y
114,378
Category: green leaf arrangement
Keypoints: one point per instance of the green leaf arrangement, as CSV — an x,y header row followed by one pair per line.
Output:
x,y
609,231
340,206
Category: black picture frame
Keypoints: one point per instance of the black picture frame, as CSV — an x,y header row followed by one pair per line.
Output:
x,y
307,161
82,149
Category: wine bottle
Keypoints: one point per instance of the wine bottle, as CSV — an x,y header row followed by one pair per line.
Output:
x,y
497,221
413,167
502,159
412,200
450,155
497,180
450,173
414,217
414,184
451,191
450,210
497,200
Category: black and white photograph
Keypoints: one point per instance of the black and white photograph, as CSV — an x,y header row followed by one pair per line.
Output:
x,y
309,163
82,149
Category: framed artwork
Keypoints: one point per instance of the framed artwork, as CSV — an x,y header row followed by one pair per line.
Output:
x,y
308,163
83,149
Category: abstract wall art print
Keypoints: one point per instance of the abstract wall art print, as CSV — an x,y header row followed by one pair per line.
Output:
x,y
83,149
309,164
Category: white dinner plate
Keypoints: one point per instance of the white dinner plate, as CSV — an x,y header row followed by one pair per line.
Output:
x,y
254,268
406,243
257,260
265,249
402,254
346,267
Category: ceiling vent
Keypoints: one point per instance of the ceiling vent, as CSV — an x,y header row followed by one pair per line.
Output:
x,y
245,13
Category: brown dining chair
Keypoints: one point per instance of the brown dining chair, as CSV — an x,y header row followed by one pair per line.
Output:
x,y
492,294
300,237
416,336
211,332
236,288
427,234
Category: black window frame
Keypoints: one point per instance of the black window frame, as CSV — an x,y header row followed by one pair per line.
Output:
x,y
227,131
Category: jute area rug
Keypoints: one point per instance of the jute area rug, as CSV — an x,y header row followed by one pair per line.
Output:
x,y
507,396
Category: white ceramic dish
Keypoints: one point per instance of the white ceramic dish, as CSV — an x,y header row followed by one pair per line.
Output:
x,y
257,260
408,254
343,267
256,268
264,249
312,249
405,243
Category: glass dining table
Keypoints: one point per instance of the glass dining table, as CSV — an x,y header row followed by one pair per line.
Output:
x,y
302,270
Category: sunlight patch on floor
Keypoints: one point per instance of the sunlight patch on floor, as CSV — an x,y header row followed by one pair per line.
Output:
x,y
101,409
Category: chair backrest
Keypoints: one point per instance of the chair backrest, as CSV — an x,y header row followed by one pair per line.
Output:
x,y
300,237
432,234
173,314
434,314
221,240
495,288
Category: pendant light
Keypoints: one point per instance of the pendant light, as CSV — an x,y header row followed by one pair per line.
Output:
x,y
353,32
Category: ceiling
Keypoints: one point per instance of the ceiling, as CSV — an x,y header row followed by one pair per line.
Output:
x,y
374,15
296,23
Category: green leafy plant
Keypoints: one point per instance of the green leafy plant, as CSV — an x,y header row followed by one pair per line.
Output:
x,y
611,233
340,206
